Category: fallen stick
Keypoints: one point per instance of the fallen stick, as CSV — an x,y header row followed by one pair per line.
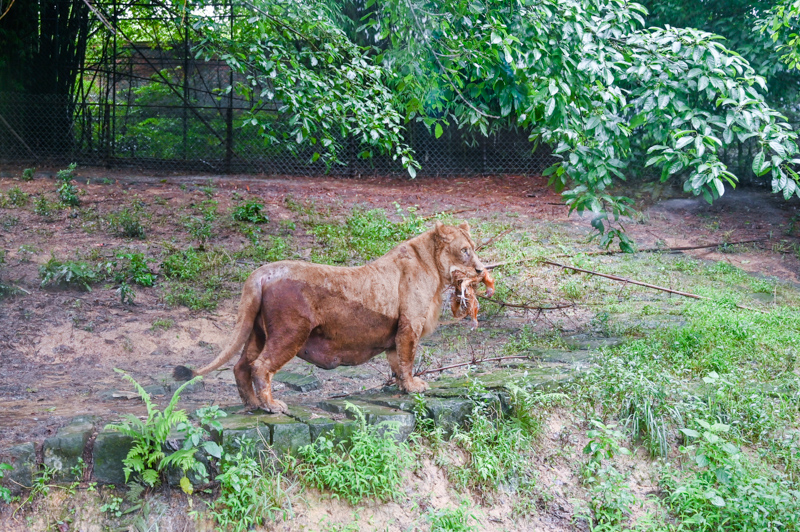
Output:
x,y
494,239
473,362
681,248
639,283
526,307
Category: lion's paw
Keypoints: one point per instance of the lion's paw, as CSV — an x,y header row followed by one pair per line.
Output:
x,y
275,407
415,385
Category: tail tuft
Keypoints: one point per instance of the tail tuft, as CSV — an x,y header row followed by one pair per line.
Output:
x,y
182,373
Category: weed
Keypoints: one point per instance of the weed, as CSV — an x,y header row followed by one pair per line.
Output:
x,y
162,324
274,249
68,273
611,498
44,207
127,223
451,520
370,466
183,265
494,444
8,222
250,212
127,296
725,489
572,289
67,191
5,493
147,457
27,174
208,189
113,506
248,497
136,270
15,197
365,234
199,229
193,298
41,485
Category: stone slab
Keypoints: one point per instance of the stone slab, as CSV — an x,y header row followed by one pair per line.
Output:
x,y
297,381
63,451
322,425
22,459
374,414
284,434
110,448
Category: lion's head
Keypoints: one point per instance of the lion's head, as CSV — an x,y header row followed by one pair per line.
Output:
x,y
455,250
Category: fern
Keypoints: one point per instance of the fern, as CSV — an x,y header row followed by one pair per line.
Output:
x,y
146,457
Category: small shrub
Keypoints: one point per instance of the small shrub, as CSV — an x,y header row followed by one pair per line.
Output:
x,y
68,273
250,212
136,270
248,497
67,191
183,265
17,198
127,223
27,174
44,207
369,467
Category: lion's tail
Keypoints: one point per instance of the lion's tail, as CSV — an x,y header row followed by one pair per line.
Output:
x,y
249,307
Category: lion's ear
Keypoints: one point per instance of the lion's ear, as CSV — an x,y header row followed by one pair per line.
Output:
x,y
464,226
443,232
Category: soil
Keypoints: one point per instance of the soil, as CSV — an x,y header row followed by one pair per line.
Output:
x,y
60,346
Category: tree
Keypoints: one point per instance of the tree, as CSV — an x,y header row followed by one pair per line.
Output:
x,y
42,46
588,79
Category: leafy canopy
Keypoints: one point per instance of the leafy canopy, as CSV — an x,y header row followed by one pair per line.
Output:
x,y
586,77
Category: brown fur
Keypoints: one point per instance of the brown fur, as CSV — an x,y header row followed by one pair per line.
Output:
x,y
333,316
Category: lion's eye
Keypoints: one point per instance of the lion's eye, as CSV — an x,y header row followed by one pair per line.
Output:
x,y
465,251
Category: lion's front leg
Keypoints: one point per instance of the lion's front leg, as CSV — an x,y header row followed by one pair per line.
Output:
x,y
408,335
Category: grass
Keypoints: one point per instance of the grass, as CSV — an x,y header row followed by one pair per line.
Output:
x,y
363,235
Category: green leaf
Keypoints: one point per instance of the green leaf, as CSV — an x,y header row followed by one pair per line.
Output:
x,y
758,163
213,449
438,131
186,485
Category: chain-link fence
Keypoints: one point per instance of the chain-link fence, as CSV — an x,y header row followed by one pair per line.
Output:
x,y
149,127
142,99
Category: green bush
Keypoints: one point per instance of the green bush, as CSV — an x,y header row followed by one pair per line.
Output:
x,y
135,270
183,265
127,223
27,174
250,212
67,191
248,495
369,466
68,273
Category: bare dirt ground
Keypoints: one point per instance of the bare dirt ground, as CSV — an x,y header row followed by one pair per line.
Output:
x,y
59,347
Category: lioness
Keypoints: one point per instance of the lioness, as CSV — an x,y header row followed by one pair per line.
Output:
x,y
333,316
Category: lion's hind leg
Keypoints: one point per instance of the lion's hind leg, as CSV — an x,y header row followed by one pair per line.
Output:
x,y
242,371
286,340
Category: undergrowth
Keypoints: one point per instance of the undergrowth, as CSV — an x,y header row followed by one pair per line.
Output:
x,y
370,465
